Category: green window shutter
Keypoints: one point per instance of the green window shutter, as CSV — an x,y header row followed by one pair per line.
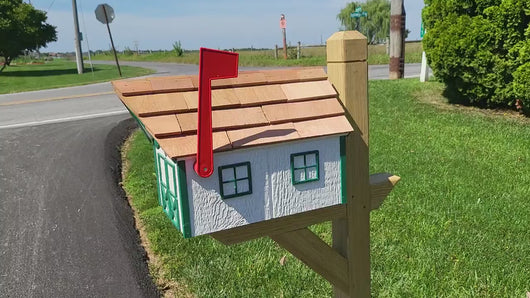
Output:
x,y
235,180
172,191
305,167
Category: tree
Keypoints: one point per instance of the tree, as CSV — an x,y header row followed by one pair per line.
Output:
x,y
177,48
22,27
480,49
376,26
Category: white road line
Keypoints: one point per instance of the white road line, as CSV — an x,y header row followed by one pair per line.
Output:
x,y
54,90
66,119
19,102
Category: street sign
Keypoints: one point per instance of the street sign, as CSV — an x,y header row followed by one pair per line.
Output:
x,y
358,9
422,30
359,14
283,22
104,13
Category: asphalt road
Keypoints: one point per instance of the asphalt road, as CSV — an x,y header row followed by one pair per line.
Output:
x,y
65,227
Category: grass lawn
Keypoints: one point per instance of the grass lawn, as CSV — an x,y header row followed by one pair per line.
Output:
x,y
28,77
457,225
310,56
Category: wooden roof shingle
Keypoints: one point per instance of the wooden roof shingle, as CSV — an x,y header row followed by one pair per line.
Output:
x,y
256,108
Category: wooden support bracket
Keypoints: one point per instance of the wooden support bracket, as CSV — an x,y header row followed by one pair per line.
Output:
x,y
316,254
380,186
292,234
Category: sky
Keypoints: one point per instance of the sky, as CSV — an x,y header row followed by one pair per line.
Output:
x,y
219,24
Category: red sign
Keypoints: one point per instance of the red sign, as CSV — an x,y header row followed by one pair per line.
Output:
x,y
213,65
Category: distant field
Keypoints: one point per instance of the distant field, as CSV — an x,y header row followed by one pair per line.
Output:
x,y
55,74
310,56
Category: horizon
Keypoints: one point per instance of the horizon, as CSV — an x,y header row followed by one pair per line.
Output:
x,y
149,27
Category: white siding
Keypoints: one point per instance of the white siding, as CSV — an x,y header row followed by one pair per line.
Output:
x,y
273,194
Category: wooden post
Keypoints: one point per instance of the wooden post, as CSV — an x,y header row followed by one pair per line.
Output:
x,y
284,44
397,39
348,71
275,51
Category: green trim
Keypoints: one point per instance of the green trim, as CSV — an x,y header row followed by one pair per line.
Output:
x,y
167,187
157,168
235,180
305,167
142,126
344,198
172,197
184,203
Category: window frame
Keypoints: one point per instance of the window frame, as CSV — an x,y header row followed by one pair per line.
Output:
x,y
235,180
305,167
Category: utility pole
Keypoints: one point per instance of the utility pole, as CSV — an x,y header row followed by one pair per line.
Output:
x,y
77,39
397,39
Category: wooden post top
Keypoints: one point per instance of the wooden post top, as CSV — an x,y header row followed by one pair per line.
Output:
x,y
347,46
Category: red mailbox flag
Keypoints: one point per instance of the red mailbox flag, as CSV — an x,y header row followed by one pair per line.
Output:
x,y
213,65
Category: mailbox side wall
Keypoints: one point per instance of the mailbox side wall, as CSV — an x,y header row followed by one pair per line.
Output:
x,y
273,194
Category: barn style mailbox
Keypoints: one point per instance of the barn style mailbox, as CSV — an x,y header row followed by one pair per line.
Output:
x,y
278,145
242,155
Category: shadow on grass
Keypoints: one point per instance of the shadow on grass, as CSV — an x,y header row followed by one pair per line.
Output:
x,y
454,97
10,71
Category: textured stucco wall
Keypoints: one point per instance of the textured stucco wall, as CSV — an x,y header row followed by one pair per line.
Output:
x,y
273,194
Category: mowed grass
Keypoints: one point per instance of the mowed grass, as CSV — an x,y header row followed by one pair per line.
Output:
x,y
310,56
28,77
457,225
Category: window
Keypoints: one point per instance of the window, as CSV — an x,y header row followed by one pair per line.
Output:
x,y
304,167
235,180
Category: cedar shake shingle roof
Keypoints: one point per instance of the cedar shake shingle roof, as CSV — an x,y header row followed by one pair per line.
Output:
x,y
256,108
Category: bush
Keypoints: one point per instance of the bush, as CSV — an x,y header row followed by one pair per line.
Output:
x,y
177,48
480,49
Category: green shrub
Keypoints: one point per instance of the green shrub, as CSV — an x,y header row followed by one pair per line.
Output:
x,y
480,49
177,48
